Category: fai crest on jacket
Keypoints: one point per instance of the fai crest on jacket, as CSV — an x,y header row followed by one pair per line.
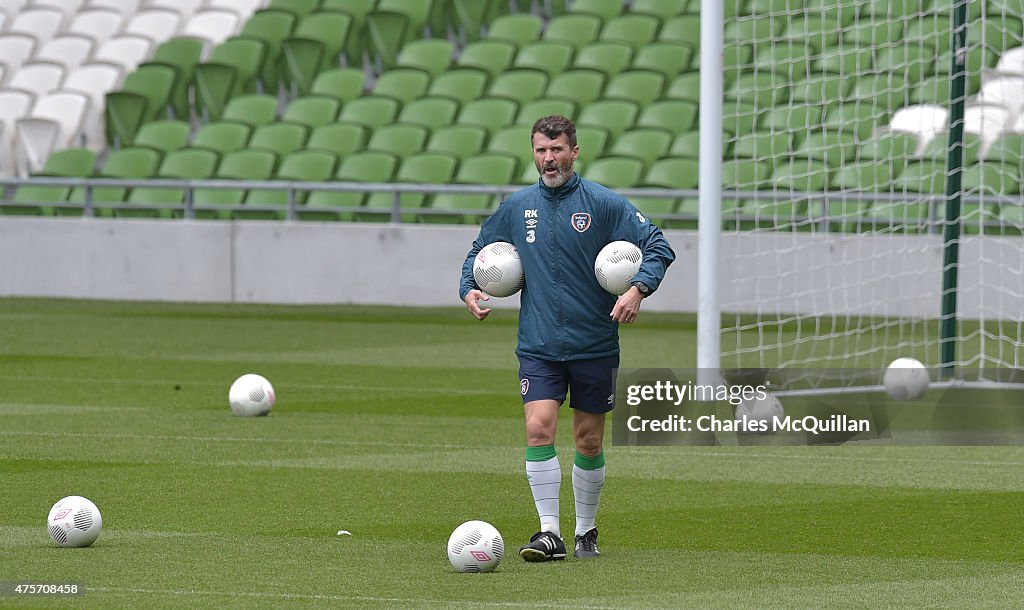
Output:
x,y
580,221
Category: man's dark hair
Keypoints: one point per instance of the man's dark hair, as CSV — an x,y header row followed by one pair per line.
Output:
x,y
553,126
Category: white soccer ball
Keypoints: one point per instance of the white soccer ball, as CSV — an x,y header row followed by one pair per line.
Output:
x,y
251,395
475,546
760,414
74,521
498,270
905,379
616,264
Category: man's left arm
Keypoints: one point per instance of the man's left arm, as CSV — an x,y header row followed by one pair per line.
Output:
x,y
657,256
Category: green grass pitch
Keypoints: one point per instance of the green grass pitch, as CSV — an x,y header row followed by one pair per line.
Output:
x,y
399,424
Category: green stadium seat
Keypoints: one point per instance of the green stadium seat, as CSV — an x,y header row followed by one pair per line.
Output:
x,y
252,110
300,8
928,177
469,17
833,149
576,30
667,58
491,114
386,32
603,9
521,86
763,7
685,88
790,60
460,84
592,142
987,179
182,54
342,139
843,61
884,92
668,174
314,46
609,57
741,175
848,211
685,30
402,84
514,141
797,213
1007,149
550,57
910,215
366,167
343,84
646,144
857,119
358,9
997,32
740,118
418,12
281,138
223,137
272,26
634,29
459,141
532,111
760,88
937,148
144,96
675,116
370,110
911,63
872,33
185,164
616,116
490,168
974,9
843,10
766,146
165,136
662,9
819,88
312,110
300,166
231,70
615,172
422,168
490,56
932,90
891,146
66,163
519,29
799,120
399,139
431,112
933,31
249,164
127,163
754,30
817,31
578,86
432,55
639,86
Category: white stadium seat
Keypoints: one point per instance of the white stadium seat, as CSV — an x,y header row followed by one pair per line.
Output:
x,y
214,26
39,77
69,50
244,8
921,120
95,80
1011,62
55,123
100,23
125,7
42,23
1007,92
184,8
65,7
16,49
14,104
987,122
157,24
125,51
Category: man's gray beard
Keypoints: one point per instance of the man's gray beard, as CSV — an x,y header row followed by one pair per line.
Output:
x,y
559,179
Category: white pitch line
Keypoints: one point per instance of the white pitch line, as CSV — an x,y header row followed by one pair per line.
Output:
x,y
333,597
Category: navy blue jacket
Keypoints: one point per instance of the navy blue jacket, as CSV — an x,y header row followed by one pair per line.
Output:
x,y
564,313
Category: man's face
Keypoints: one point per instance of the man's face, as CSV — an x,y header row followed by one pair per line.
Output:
x,y
554,158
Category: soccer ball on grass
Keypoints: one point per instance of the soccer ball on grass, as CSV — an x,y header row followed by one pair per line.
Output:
x,y
251,395
475,546
616,264
760,414
74,521
905,379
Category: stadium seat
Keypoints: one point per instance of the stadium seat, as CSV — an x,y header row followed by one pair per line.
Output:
x,y
418,13
888,146
68,50
182,54
124,50
244,8
635,30
248,164
144,96
232,69
185,8
223,137
342,139
37,77
798,120
684,29
797,212
124,7
490,56
988,122
646,144
14,104
818,31
468,18
987,179
933,32
300,166
662,9
126,163
608,57
490,114
1007,149
165,136
399,139
95,80
521,86
271,27
685,87
279,137
615,172
1011,63
833,149
764,146
460,84
616,116
640,86
742,175
923,121
764,89
459,141
370,110
153,201
315,45
666,58
493,168
843,60
422,168
551,57
790,60
848,211
996,32
576,30
909,63
857,119
54,123
755,30
817,89
431,112
678,174
158,25
603,9
41,23
578,86
254,110
536,109
519,29
1007,92
937,148
386,32
213,26
16,49
514,142
432,55
343,84
312,111
300,8
402,84
365,166
67,163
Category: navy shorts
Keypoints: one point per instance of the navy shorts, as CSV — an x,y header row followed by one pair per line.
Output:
x,y
590,384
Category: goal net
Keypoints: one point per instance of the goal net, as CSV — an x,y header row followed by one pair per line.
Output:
x,y
871,203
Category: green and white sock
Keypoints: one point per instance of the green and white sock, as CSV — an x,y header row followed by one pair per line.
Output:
x,y
545,476
587,481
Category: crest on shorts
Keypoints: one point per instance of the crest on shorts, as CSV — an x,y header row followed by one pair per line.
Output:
x,y
580,221
524,386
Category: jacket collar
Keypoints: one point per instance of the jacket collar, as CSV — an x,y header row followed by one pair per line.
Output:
x,y
563,191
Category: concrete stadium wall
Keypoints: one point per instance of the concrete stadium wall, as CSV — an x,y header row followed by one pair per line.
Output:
x,y
419,265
